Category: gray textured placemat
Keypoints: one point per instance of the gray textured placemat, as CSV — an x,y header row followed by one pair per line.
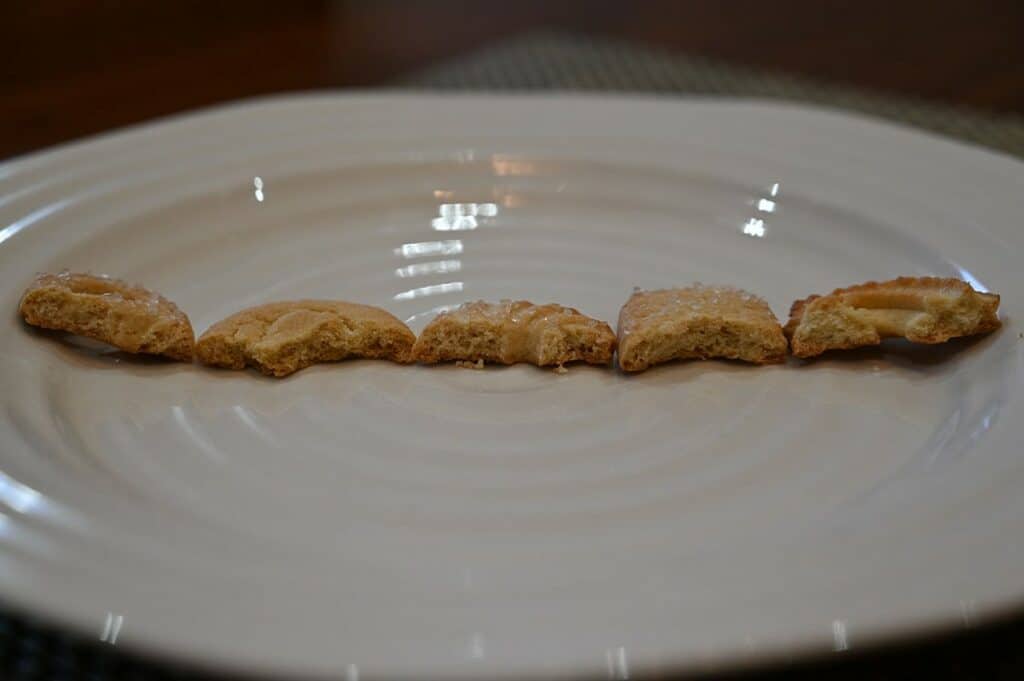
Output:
x,y
546,61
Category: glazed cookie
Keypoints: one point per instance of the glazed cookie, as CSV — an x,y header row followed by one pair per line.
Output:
x,y
126,316
515,331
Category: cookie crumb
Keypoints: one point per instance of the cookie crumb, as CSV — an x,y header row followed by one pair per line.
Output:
x,y
467,364
561,369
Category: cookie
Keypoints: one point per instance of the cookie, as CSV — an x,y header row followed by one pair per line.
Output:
x,y
126,316
281,338
697,322
919,309
515,331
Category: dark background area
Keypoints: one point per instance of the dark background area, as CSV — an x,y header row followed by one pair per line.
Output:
x,y
76,67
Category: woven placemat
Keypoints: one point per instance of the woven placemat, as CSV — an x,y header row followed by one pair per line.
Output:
x,y
31,650
550,61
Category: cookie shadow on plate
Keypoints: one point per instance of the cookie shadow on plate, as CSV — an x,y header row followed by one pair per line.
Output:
x,y
901,354
689,369
492,367
99,355
253,373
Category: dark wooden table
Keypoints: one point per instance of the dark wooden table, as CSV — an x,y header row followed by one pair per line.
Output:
x,y
76,67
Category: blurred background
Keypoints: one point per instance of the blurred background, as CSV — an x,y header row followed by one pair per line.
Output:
x,y
77,67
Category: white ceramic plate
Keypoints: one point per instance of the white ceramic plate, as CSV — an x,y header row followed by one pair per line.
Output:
x,y
368,519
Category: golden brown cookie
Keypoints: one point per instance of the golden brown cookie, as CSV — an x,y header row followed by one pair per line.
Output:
x,y
128,317
281,338
920,309
515,331
697,322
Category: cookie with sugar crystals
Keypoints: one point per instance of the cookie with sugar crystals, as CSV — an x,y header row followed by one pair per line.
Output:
x,y
699,322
